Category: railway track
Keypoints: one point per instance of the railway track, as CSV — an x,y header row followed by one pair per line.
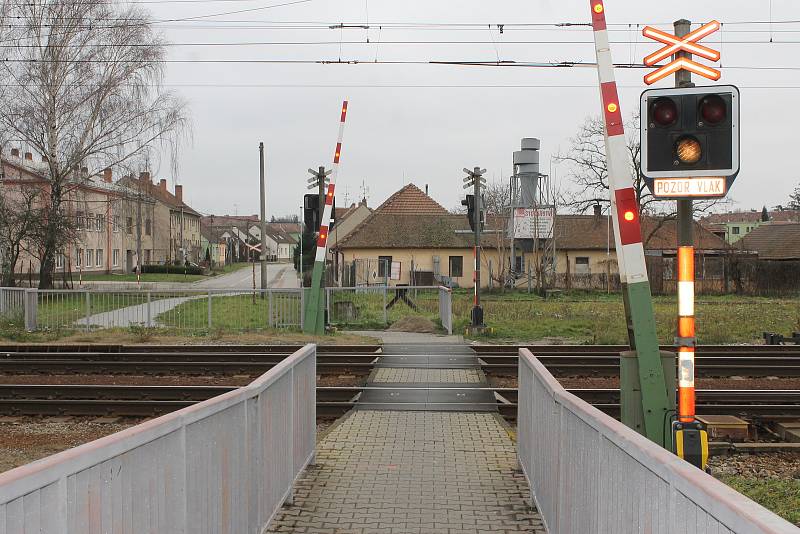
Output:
x,y
145,401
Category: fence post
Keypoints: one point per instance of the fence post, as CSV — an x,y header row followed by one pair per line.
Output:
x,y
2,301
529,279
328,305
88,307
269,308
490,274
31,304
209,309
290,494
149,322
385,311
302,302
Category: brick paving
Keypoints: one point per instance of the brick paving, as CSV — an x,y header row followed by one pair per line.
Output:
x,y
429,376
412,472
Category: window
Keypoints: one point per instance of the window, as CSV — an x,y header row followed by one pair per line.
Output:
x,y
59,261
384,266
99,257
519,264
79,220
116,223
115,257
129,225
147,227
99,222
581,265
89,257
79,257
735,230
89,222
456,266
147,257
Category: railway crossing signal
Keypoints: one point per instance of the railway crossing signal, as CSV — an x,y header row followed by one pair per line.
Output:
x,y
675,44
474,204
690,140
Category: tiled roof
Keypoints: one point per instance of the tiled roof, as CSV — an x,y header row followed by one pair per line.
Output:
x,y
410,200
573,232
155,191
752,216
775,241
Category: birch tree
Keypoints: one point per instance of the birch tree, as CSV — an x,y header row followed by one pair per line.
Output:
x,y
83,88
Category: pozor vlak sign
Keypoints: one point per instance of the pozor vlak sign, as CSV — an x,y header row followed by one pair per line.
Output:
x,y
690,140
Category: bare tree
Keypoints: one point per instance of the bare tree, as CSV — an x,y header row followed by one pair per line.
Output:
x,y
84,90
20,223
588,172
497,204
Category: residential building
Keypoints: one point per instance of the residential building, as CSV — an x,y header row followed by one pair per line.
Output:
x,y
777,241
105,215
411,239
733,226
175,225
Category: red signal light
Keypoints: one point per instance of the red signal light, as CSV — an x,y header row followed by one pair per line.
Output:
x,y
664,112
629,216
713,109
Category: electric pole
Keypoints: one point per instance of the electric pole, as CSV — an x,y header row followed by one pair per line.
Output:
x,y
139,231
475,180
264,278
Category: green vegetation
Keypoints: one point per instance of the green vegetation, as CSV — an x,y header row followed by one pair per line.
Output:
x,y
59,310
234,313
780,496
598,318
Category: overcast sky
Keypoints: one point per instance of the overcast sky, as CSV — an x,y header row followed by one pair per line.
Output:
x,y
400,129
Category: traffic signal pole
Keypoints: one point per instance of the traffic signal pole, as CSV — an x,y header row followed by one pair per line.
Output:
x,y
686,324
656,406
314,322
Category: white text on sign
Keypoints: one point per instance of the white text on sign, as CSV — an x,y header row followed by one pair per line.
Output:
x,y
689,187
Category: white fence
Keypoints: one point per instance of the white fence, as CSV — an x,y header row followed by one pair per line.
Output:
x,y
12,303
224,465
590,473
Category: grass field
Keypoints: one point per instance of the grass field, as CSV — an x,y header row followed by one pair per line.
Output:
x,y
234,313
598,318
780,496
176,277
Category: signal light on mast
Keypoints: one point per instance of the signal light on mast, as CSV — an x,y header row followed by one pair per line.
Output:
x,y
688,149
629,216
664,112
713,109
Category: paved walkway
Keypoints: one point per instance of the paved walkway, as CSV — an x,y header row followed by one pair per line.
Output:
x,y
412,472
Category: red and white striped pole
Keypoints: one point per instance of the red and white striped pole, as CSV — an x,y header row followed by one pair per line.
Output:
x,y
314,318
686,334
628,241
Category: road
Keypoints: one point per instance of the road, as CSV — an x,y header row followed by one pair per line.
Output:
x,y
281,275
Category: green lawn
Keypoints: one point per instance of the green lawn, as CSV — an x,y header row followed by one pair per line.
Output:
x,y
234,313
60,310
780,496
598,318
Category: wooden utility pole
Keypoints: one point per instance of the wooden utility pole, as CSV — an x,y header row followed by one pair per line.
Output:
x,y
264,278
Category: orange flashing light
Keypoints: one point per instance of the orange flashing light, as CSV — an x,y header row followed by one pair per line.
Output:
x,y
598,8
612,107
629,216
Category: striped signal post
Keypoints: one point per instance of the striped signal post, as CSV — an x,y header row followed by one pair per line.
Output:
x,y
656,406
315,303
686,335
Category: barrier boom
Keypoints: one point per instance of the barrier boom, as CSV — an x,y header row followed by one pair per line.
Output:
x,y
314,315
628,242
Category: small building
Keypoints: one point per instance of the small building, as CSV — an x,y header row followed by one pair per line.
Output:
x,y
733,226
777,241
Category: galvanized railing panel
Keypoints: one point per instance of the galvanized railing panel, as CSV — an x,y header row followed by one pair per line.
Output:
x,y
446,308
223,465
378,306
12,303
590,473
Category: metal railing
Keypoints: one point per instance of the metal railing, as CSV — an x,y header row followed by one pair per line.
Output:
x,y
379,306
12,303
590,473
223,465
181,309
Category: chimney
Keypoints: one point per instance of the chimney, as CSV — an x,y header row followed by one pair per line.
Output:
x,y
144,177
107,175
179,192
28,156
163,184
598,210
426,190
15,152
363,201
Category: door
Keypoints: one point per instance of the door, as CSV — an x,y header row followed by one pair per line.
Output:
x,y
128,261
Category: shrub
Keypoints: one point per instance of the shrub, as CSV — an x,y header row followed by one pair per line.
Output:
x,y
176,269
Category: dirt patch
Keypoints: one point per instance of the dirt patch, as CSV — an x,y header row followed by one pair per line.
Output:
x,y
774,465
28,440
608,382
418,325
342,381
